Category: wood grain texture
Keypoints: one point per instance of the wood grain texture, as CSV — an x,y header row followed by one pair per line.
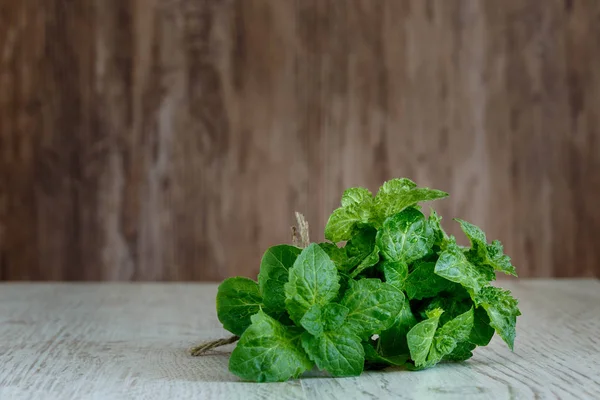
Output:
x,y
129,341
174,139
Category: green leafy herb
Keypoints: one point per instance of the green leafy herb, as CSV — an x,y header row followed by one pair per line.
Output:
x,y
313,280
502,310
269,352
274,272
339,353
327,318
356,196
355,211
454,266
238,299
482,253
399,292
422,282
393,341
405,237
399,194
420,337
372,306
395,273
361,249
336,254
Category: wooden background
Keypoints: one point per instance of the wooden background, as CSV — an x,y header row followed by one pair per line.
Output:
x,y
173,139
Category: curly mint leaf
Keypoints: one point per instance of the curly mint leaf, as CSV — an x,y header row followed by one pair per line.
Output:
x,y
462,351
422,282
447,338
361,246
420,337
396,185
458,328
339,353
269,352
274,272
327,318
313,280
440,237
395,273
453,304
336,254
373,305
502,310
393,342
344,222
369,261
356,195
334,316
483,253
454,266
237,300
498,260
312,321
482,332
405,237
443,341
396,195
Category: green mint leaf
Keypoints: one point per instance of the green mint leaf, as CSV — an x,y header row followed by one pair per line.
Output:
x,y
396,185
268,352
442,341
420,337
498,260
274,272
483,253
373,356
395,273
482,332
454,266
312,321
405,237
458,328
369,261
422,282
344,222
313,280
396,195
373,306
327,318
356,195
361,246
336,254
447,338
462,352
339,353
334,316
440,237
237,300
502,309
392,342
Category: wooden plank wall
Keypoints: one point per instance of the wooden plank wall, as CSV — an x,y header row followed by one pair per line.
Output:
x,y
173,139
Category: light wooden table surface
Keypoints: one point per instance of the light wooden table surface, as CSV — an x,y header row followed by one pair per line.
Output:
x,y
121,341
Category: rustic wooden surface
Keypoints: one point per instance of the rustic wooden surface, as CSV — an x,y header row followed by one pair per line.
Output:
x,y
126,341
174,139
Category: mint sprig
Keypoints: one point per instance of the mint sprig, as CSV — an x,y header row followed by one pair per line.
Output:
x,y
399,292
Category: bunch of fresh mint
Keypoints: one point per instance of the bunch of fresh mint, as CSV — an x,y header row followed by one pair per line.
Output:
x,y
400,292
